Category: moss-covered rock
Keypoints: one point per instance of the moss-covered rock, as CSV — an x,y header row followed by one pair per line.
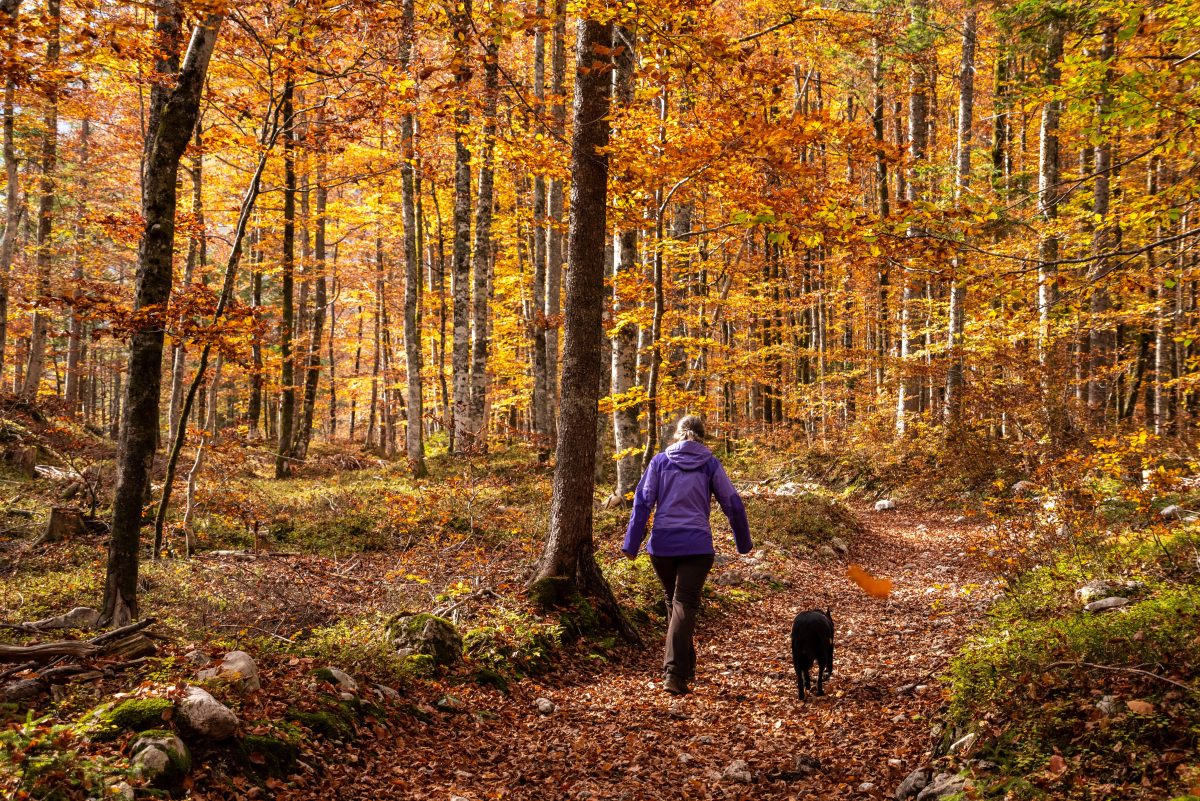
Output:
x,y
551,592
135,714
160,757
488,677
274,756
419,665
334,721
423,633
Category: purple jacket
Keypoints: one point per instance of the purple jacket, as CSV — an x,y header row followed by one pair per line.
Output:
x,y
681,481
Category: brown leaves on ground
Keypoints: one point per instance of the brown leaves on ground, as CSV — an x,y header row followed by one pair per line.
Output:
x,y
615,734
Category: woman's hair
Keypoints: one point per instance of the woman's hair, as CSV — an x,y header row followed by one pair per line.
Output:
x,y
689,427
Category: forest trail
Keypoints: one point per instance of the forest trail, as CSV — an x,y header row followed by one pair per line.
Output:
x,y
616,735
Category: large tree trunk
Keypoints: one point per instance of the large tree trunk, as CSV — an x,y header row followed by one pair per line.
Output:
x,y
483,249
554,210
75,350
1101,337
415,434
14,204
626,434
908,400
175,106
958,291
568,559
287,372
46,203
460,434
1054,405
542,424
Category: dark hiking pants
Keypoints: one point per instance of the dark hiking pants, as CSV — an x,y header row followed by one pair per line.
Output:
x,y
682,578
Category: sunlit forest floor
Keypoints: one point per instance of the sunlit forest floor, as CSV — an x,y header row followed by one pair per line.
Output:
x,y
977,665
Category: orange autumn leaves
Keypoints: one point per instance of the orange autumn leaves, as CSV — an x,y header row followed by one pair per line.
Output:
x,y
875,587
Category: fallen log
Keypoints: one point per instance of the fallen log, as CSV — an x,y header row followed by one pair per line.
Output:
x,y
49,650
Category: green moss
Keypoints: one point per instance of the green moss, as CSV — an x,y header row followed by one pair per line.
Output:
x,y
271,755
419,666
332,721
551,592
423,633
488,677
135,714
326,675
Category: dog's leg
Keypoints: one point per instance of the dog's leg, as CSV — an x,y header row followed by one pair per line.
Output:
x,y
830,669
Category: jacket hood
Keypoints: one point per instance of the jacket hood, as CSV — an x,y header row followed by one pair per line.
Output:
x,y
688,454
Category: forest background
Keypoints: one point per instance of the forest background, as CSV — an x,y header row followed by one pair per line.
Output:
x,y
897,247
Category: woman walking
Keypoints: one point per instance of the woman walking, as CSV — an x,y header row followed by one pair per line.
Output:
x,y
681,481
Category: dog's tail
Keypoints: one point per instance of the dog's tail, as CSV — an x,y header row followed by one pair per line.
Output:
x,y
829,612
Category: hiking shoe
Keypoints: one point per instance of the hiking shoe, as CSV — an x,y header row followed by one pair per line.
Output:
x,y
675,685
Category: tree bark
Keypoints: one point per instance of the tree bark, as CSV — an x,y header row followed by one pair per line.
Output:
x,y
626,433
908,400
75,350
567,562
958,291
287,375
542,424
460,435
483,249
316,332
176,105
554,210
46,202
410,195
1101,337
14,204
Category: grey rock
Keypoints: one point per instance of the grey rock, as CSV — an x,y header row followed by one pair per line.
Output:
x,y
341,679
913,784
1097,589
545,706
160,760
866,788
121,791
1108,705
943,785
1173,512
198,658
806,764
838,544
885,505
960,520
237,668
964,743
390,693
426,634
729,578
826,552
201,714
1104,604
738,771
1023,489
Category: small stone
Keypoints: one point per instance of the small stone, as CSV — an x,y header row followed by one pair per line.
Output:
x,y
729,578
198,658
448,703
826,552
1023,489
914,783
341,679
347,696
898,718
390,693
1173,512
205,716
838,544
963,744
236,667
705,739
1104,604
866,787
944,785
904,688
1108,705
960,520
120,790
545,706
806,764
896,763
885,505
738,771
160,759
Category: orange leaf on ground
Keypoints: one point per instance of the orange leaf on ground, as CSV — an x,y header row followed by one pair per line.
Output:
x,y
1140,707
875,587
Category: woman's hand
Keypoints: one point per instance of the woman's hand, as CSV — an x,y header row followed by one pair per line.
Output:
x,y
630,556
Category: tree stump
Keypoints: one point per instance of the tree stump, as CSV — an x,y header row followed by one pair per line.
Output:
x,y
65,523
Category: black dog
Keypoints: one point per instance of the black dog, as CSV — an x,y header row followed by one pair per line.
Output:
x,y
812,640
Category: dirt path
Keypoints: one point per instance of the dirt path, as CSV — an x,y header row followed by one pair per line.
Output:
x,y
616,735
